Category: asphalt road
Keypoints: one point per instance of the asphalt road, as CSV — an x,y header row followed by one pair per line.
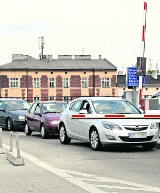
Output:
x,y
115,169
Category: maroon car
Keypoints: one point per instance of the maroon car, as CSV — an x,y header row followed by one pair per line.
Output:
x,y
44,117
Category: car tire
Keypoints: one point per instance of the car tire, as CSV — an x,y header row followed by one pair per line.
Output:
x,y
10,125
148,147
95,142
64,139
27,130
44,133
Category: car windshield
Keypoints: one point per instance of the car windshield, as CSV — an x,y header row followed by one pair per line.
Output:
x,y
16,105
114,107
54,107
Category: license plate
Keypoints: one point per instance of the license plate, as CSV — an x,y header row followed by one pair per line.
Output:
x,y
137,135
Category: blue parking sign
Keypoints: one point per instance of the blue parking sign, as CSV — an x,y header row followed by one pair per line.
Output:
x,y
132,79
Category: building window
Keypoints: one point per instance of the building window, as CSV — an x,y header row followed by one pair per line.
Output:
x,y
105,72
65,72
146,88
156,88
51,72
84,82
51,98
65,83
84,72
36,72
51,82
66,98
36,82
36,99
14,82
105,82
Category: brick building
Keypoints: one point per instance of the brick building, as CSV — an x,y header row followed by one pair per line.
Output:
x,y
57,79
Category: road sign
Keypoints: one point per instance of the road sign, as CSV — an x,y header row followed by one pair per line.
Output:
x,y
132,79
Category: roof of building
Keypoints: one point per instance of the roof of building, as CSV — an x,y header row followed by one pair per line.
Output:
x,y
149,80
59,64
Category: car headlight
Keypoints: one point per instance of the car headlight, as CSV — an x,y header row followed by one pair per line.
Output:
x,y
111,126
54,122
153,125
21,118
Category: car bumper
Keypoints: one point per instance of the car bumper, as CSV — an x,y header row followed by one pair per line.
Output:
x,y
52,129
120,137
19,125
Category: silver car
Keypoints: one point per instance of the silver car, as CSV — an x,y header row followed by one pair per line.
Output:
x,y
107,120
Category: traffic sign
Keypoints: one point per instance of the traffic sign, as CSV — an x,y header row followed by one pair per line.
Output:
x,y
132,79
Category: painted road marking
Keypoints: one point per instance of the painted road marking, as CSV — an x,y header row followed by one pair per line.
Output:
x,y
89,182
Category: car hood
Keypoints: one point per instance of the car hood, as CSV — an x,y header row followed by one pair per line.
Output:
x,y
18,112
52,116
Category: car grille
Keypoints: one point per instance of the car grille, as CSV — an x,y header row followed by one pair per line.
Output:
x,y
136,127
127,139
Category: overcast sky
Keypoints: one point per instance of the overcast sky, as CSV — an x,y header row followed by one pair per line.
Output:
x,y
111,28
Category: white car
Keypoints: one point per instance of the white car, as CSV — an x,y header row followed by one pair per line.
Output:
x,y
107,120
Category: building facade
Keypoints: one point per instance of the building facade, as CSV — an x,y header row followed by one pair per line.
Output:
x,y
64,78
151,87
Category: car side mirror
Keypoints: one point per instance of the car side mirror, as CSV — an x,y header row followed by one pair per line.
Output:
x,y
2,109
141,110
84,111
38,114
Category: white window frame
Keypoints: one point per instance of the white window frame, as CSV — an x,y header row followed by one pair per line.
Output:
x,y
51,98
105,82
66,82
36,82
51,82
84,83
36,99
65,98
13,82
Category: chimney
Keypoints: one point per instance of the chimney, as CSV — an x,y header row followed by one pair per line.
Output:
x,y
82,57
16,57
100,57
120,72
65,57
48,58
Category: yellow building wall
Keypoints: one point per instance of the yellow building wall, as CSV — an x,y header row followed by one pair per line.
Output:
x,y
17,92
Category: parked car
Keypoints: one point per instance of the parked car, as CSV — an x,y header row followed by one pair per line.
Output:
x,y
44,117
12,113
100,131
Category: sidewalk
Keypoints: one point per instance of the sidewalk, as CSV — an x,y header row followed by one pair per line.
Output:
x,y
32,178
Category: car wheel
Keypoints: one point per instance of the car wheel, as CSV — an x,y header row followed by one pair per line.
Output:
x,y
64,139
95,140
10,125
44,133
27,130
148,147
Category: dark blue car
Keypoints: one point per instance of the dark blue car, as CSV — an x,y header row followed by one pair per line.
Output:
x,y
12,113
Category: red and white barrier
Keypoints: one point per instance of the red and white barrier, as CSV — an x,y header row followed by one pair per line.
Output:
x,y
115,116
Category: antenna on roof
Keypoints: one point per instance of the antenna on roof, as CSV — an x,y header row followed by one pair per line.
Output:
x,y
41,46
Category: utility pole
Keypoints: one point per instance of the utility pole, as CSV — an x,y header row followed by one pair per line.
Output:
x,y
41,46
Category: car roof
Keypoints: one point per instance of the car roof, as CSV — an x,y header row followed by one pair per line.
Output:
x,y
48,102
99,98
